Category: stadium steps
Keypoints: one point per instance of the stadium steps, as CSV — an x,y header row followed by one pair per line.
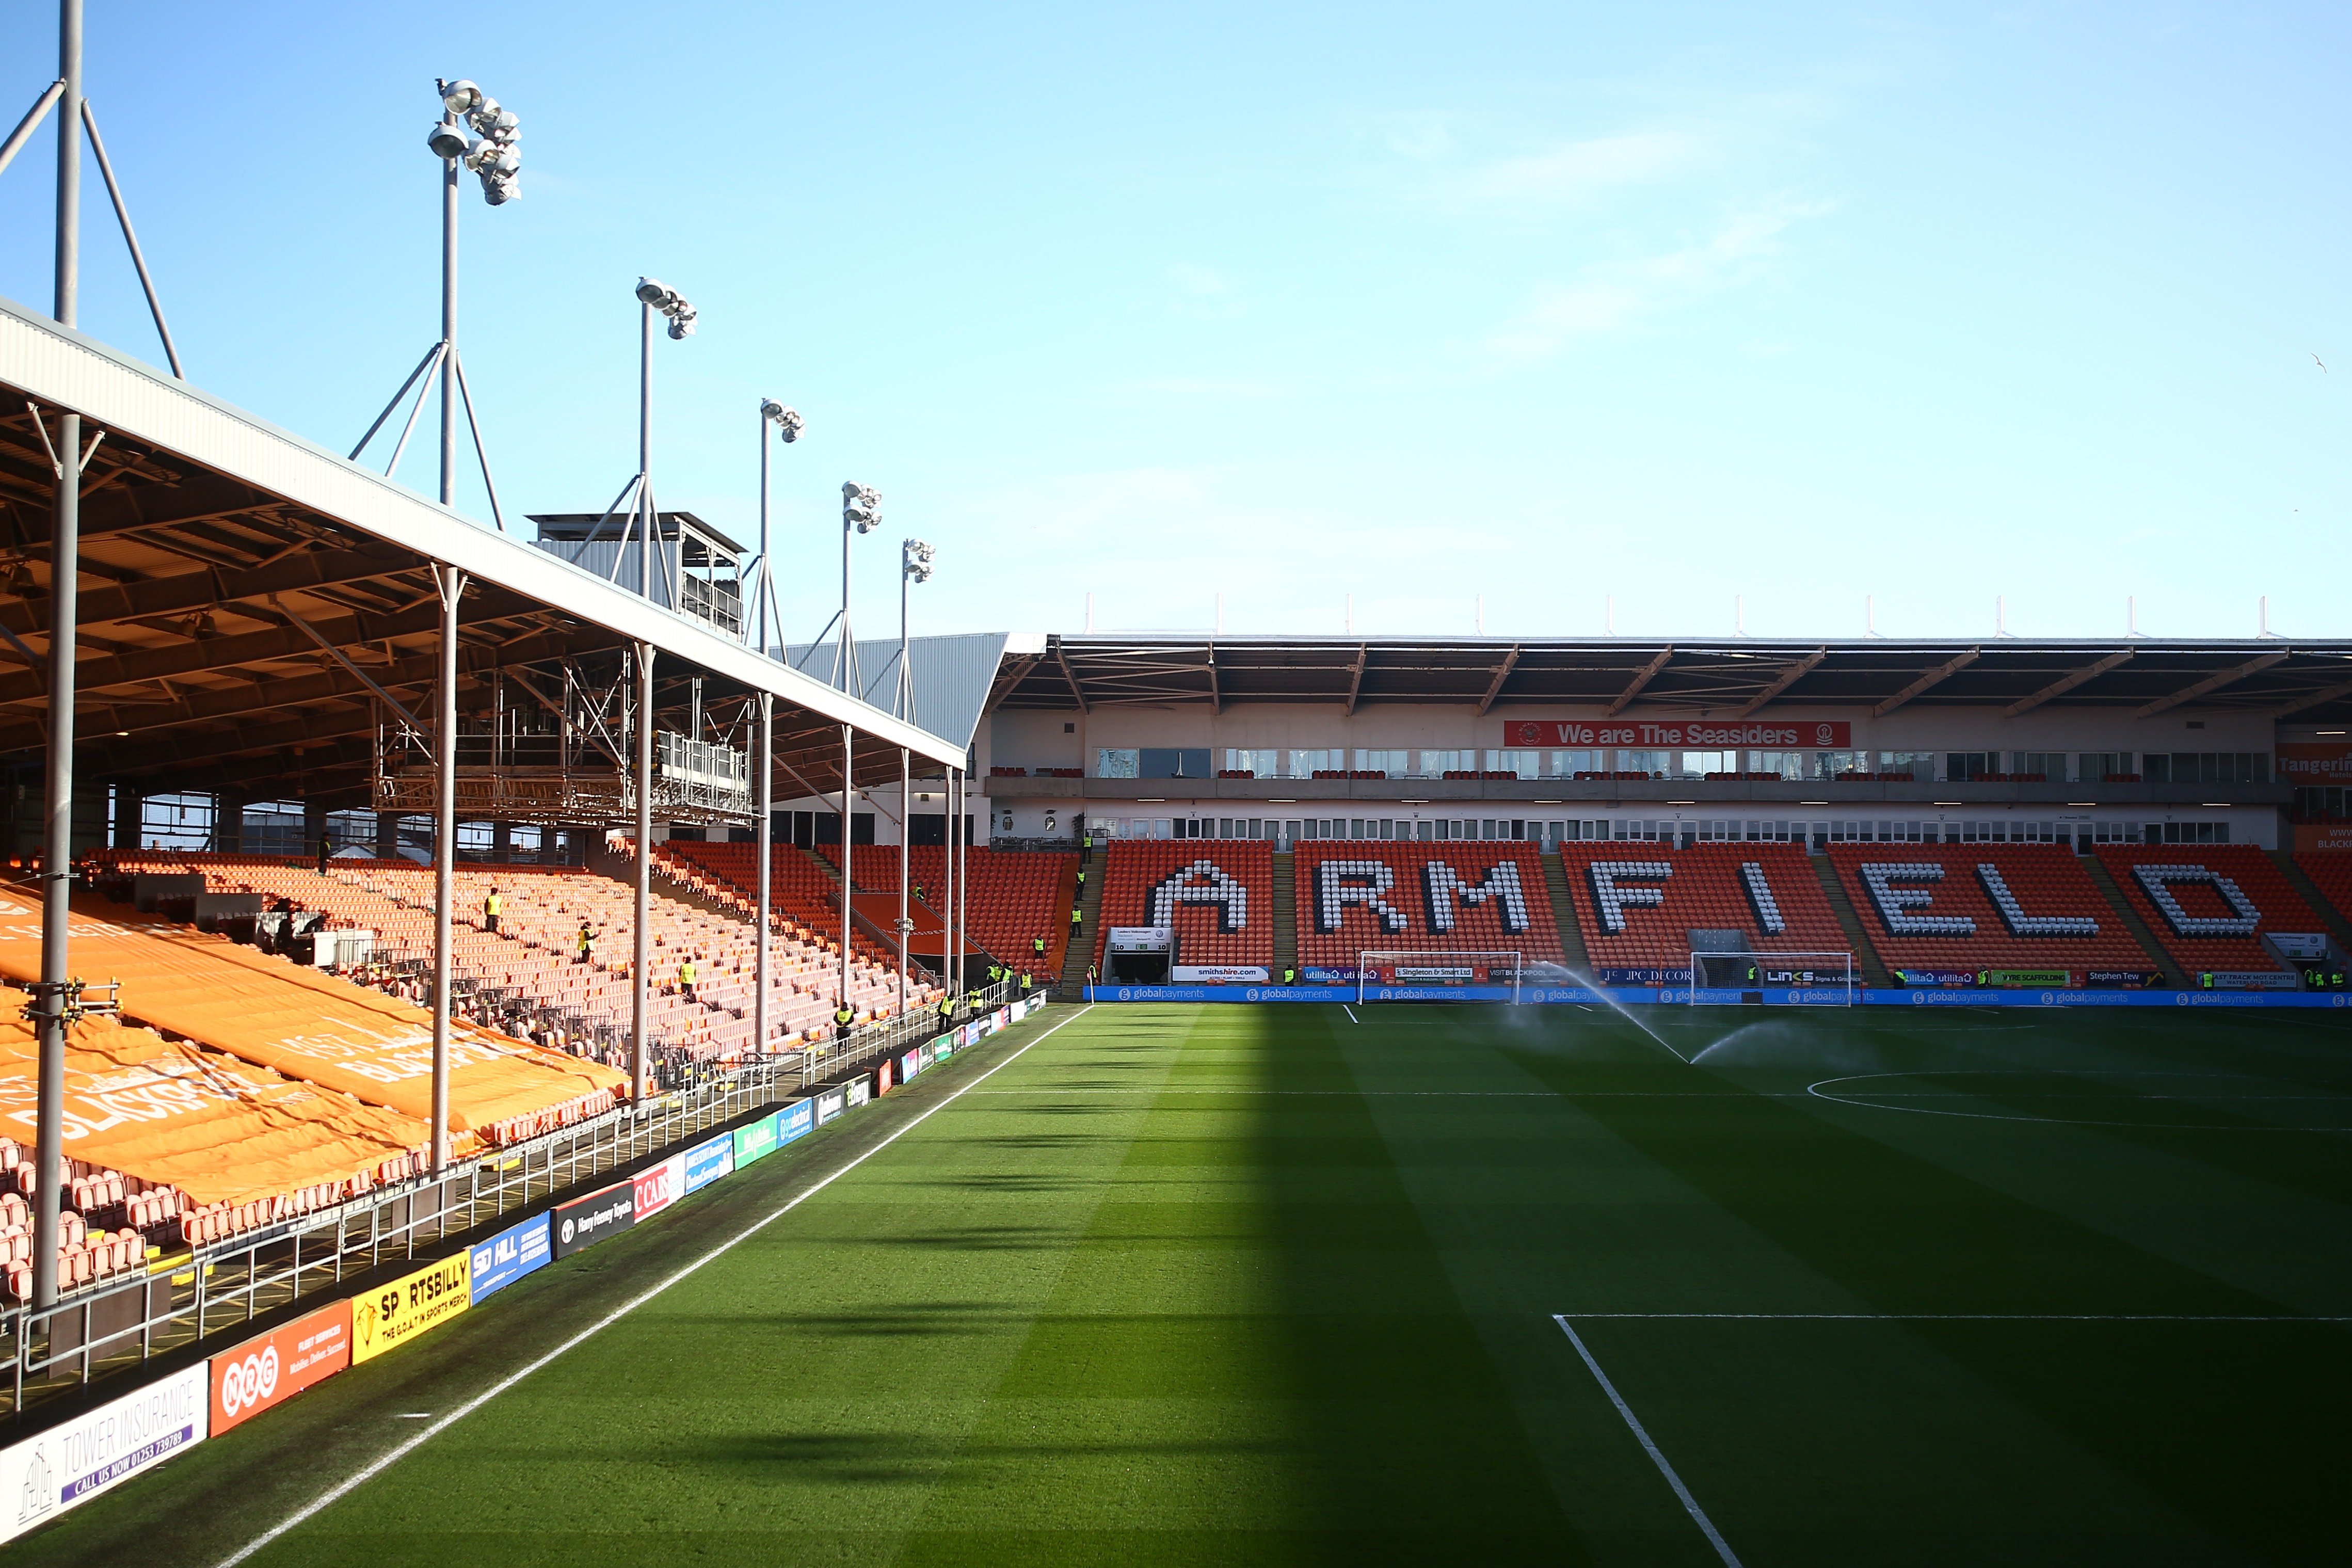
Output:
x,y
2173,975
1873,970
1073,962
2300,880
1286,912
1563,914
623,869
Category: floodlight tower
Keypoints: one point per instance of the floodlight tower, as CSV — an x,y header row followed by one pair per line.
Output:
x,y
492,151
914,566
788,425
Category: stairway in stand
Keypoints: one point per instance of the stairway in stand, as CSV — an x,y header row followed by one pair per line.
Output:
x,y
1286,916
1081,954
1873,970
2173,974
1563,911
2321,904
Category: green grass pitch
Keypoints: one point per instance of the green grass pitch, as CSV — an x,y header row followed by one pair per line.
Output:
x,y
1272,1285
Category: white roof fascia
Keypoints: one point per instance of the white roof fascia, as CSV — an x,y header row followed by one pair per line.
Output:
x,y
58,368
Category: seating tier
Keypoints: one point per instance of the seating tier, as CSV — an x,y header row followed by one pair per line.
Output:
x,y
2210,915
1454,896
1943,916
1638,903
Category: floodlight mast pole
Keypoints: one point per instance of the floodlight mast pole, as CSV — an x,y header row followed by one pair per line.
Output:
x,y
767,760
449,327
65,566
641,949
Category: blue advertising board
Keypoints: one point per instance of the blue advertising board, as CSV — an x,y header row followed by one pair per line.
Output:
x,y
509,1256
795,1121
706,1163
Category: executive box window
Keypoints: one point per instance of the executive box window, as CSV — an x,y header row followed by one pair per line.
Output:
x,y
2207,767
1173,763
2097,767
1920,765
1396,764
1117,762
1962,766
2051,765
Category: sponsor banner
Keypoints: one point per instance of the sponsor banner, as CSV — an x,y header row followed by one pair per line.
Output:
x,y
2299,943
943,1046
1001,1018
925,1058
1945,979
1836,734
797,1120
509,1256
882,1077
909,1065
2314,763
272,1368
968,1035
1409,974
658,1186
411,1305
830,1103
1678,976
706,1163
72,1463
859,1090
584,1222
2247,980
1319,976
1140,939
2319,837
2117,977
2060,978
1218,974
756,1141
1652,996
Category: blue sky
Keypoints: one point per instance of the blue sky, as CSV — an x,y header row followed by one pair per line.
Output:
x,y
1552,305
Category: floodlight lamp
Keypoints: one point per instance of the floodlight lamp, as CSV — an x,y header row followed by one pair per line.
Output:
x,y
651,292
486,112
787,421
681,329
457,97
500,190
445,140
861,507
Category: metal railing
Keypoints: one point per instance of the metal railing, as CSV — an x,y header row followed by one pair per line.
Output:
x,y
119,1324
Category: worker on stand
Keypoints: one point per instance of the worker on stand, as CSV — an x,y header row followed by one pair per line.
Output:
x,y
1025,983
326,852
490,908
1077,919
1038,948
587,943
1290,975
947,1011
843,1016
685,977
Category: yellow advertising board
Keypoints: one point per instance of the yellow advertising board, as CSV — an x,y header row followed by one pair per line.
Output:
x,y
395,1313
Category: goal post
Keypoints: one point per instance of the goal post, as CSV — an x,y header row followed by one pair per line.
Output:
x,y
1826,977
1426,968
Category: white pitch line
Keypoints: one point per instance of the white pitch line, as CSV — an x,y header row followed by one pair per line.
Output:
x,y
1351,1012
1699,1514
376,1468
1951,1317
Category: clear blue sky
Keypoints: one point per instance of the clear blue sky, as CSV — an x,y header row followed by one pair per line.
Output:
x,y
1546,303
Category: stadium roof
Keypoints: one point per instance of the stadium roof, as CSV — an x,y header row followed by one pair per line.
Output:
x,y
248,597
2309,680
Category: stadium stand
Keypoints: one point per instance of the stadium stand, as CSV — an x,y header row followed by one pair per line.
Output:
x,y
805,897
1638,904
2331,873
1018,897
1217,892
2210,904
1942,919
1451,897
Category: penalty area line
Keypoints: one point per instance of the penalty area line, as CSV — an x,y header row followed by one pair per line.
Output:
x,y
1351,1012
1690,1503
377,1467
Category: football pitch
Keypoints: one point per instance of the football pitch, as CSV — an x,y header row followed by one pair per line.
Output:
x,y
1272,1285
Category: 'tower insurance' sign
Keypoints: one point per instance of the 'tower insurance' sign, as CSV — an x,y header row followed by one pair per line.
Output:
x,y
1832,734
42,1477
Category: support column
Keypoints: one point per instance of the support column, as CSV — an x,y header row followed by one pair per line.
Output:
x,y
847,755
451,583
767,851
951,951
905,861
387,834
642,950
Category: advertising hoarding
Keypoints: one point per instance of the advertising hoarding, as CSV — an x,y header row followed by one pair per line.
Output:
x,y
756,1141
658,1186
925,1058
795,1121
2314,763
943,1047
830,1103
584,1222
882,1077
859,1090
1218,974
706,1163
1001,1018
411,1305
272,1368
517,1250
909,1065
1836,734
71,1464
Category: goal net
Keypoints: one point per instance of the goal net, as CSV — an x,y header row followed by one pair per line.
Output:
x,y
1823,978
1423,971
